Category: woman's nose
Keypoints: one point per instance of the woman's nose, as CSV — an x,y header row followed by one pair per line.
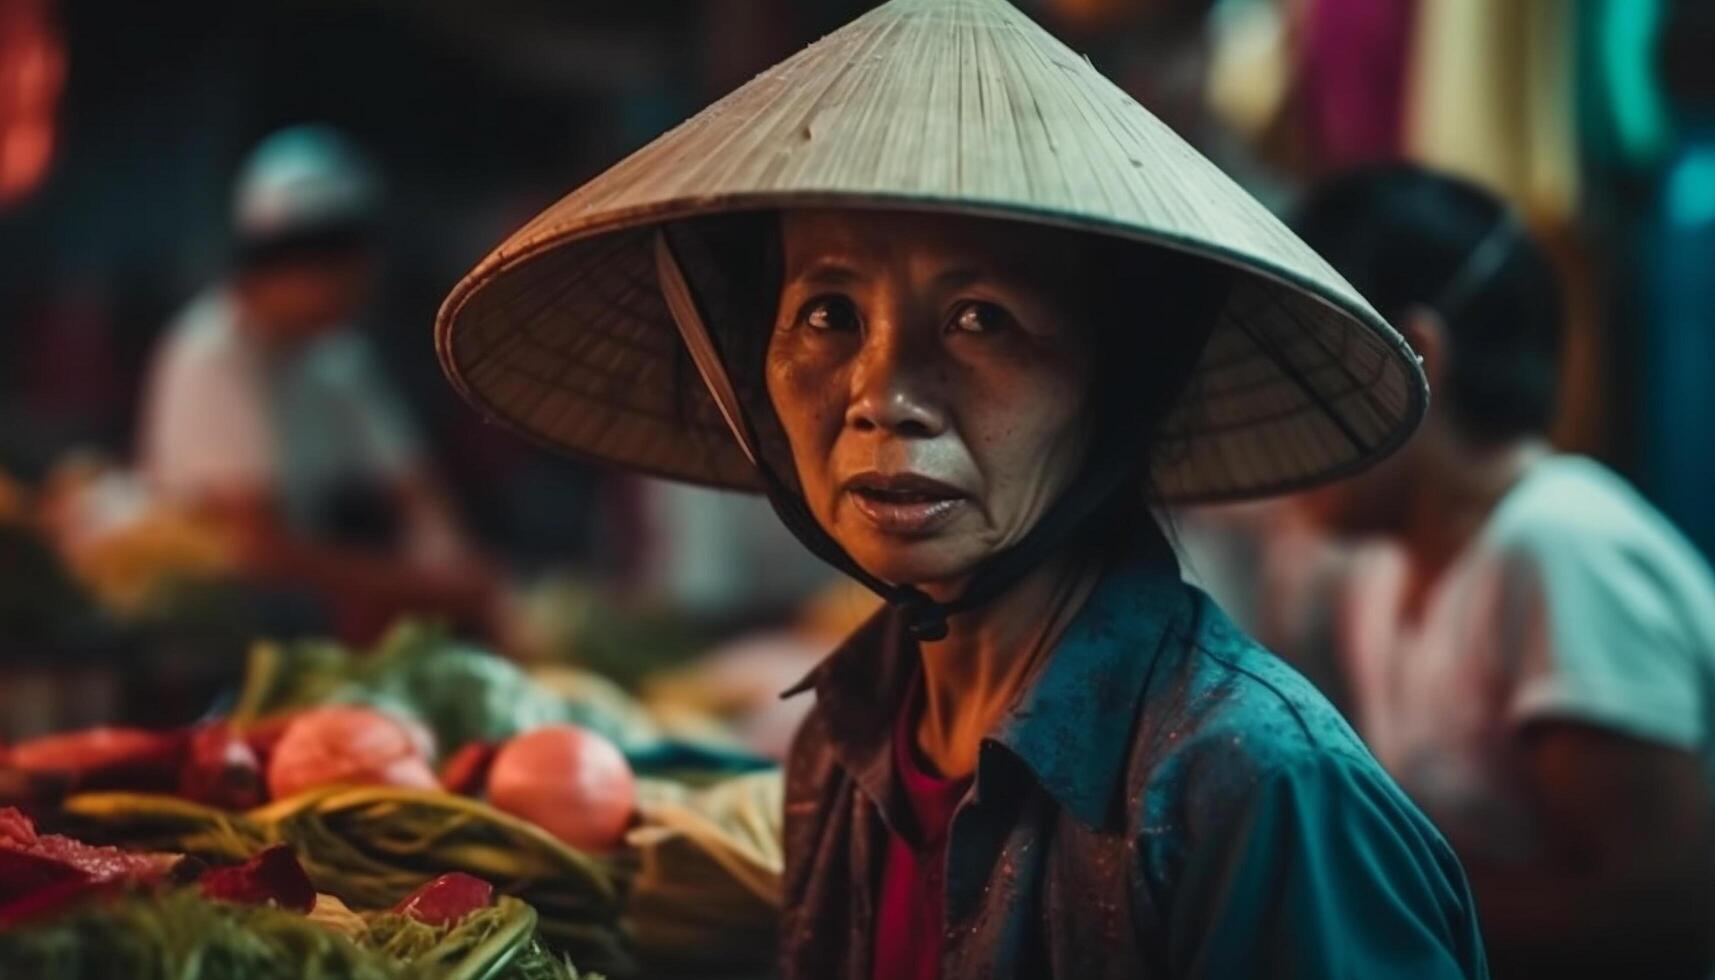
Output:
x,y
895,388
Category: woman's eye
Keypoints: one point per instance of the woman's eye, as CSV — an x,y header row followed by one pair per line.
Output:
x,y
979,318
830,313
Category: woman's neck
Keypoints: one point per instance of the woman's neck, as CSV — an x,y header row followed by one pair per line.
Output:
x,y
973,676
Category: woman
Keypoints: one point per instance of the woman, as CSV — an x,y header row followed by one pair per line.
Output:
x,y
960,307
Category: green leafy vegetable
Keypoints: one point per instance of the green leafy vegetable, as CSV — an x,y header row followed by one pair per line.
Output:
x,y
182,936
496,942
465,694
462,693
373,845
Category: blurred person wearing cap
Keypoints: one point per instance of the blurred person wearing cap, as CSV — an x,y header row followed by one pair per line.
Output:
x,y
1532,652
269,410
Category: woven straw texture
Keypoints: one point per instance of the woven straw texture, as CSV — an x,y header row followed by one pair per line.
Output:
x,y
958,106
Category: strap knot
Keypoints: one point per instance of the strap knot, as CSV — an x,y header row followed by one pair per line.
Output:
x,y
925,618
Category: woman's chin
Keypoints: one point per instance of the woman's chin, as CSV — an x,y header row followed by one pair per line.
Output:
x,y
922,563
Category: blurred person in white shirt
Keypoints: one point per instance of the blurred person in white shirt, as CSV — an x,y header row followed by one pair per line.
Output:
x,y
1531,652
267,409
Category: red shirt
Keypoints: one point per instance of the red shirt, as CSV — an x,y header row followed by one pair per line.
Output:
x,y
911,918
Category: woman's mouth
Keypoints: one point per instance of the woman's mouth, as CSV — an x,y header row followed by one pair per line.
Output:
x,y
904,503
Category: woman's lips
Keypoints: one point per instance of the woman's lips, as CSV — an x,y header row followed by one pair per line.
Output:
x,y
904,504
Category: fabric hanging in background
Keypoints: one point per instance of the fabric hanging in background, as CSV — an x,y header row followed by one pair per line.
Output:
x,y
1252,66
1353,58
1490,96
1624,122
1677,469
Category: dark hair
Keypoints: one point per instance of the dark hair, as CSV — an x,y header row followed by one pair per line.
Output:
x,y
1407,237
1152,310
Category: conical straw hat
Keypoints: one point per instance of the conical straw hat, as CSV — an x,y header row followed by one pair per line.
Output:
x,y
956,106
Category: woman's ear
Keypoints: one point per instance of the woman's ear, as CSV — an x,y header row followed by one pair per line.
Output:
x,y
1426,332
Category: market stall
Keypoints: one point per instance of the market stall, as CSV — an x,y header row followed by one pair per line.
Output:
x,y
423,808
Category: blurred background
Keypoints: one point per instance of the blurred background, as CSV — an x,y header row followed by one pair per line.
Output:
x,y
124,127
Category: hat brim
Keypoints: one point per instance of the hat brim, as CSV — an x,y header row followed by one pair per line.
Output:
x,y
567,342
964,107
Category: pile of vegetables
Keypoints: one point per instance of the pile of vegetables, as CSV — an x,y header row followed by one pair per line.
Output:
x,y
371,845
69,909
460,693
463,694
182,934
382,774
697,886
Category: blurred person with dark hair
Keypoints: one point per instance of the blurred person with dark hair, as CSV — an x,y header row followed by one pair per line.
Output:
x,y
1533,654
268,410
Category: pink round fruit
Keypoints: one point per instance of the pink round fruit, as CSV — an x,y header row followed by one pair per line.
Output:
x,y
567,780
347,745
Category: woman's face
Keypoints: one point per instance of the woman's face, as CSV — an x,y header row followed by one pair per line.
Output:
x,y
932,375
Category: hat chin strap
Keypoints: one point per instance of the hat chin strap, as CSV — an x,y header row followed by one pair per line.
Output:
x,y
925,617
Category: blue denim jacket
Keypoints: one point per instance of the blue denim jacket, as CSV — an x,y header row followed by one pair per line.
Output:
x,y
1166,799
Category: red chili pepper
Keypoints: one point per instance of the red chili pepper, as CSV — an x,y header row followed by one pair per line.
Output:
x,y
273,875
104,758
221,769
447,899
466,771
263,735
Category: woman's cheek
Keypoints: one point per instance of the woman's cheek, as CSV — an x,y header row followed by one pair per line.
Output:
x,y
1036,436
1041,391
805,396
788,386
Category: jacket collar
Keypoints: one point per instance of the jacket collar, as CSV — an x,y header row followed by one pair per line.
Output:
x,y
1072,726
859,688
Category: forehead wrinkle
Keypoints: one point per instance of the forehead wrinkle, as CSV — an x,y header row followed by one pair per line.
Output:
x,y
990,272
829,269
959,277
839,248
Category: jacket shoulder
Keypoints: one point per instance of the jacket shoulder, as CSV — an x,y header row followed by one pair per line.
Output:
x,y
1226,714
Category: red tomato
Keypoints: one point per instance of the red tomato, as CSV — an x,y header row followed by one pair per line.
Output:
x,y
104,758
466,770
447,899
221,769
350,745
569,781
